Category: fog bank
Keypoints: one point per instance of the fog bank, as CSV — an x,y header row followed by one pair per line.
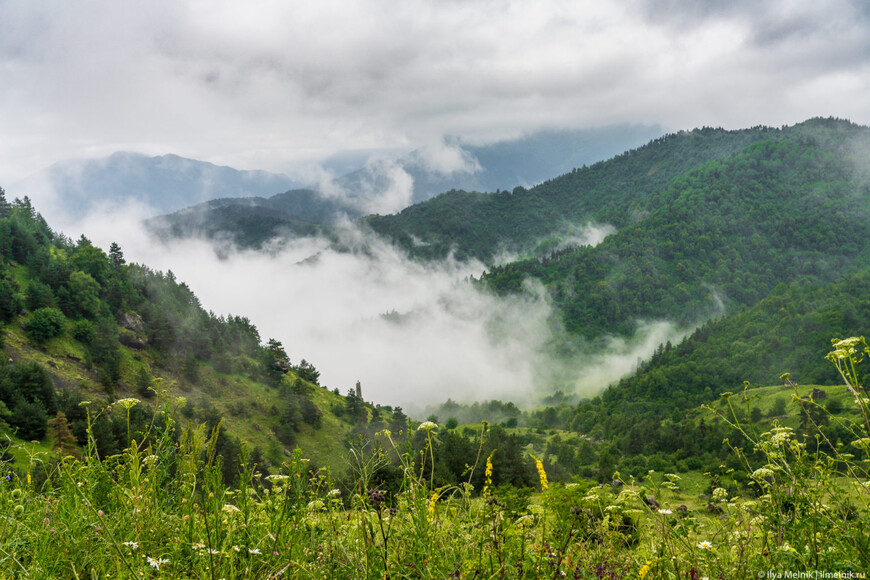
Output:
x,y
413,334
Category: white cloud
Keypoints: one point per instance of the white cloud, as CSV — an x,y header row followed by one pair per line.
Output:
x,y
445,159
414,334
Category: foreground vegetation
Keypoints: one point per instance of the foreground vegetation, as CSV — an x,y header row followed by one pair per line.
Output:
x,y
162,510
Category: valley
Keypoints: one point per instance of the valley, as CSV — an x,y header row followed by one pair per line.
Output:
x,y
542,361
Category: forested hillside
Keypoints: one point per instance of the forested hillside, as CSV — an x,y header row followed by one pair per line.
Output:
x,y
481,225
82,325
254,221
724,235
761,238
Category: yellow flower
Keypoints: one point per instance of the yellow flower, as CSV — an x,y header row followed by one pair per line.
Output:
x,y
432,501
541,474
644,570
488,475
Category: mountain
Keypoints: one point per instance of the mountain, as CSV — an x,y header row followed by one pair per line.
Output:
x,y
522,161
482,225
165,183
387,183
764,231
791,208
253,221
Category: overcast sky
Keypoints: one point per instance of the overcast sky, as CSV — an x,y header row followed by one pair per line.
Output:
x,y
264,84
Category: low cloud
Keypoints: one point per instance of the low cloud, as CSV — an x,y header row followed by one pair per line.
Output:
x,y
383,186
413,334
588,234
445,159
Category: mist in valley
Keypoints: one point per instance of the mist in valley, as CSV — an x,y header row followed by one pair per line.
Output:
x,y
414,334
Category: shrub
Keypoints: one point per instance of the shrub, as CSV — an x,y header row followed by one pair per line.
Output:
x,y
45,324
83,331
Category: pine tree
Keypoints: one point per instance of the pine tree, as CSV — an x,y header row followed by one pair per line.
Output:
x,y
64,441
116,256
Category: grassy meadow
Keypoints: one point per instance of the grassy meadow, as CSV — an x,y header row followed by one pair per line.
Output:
x,y
162,510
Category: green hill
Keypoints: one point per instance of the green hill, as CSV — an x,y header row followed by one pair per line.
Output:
x,y
251,222
80,325
481,225
760,238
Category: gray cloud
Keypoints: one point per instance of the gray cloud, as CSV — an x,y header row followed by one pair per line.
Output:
x,y
267,83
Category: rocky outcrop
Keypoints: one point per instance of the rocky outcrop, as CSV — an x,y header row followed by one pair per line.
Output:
x,y
131,321
132,332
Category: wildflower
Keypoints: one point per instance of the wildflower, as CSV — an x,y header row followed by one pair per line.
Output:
x,y
780,436
427,426
844,348
150,460
488,475
230,509
99,512
127,403
277,478
133,545
198,546
762,473
644,570
720,494
155,563
237,549
254,551
705,545
334,493
541,474
665,512
431,508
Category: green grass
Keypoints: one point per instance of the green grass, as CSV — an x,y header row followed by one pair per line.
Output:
x,y
163,512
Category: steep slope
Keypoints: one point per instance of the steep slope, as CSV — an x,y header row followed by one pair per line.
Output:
x,y
480,225
789,331
78,324
721,236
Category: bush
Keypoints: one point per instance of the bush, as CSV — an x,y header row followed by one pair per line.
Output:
x,y
45,324
83,331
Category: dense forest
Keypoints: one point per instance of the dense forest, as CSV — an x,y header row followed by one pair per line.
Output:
x,y
81,324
